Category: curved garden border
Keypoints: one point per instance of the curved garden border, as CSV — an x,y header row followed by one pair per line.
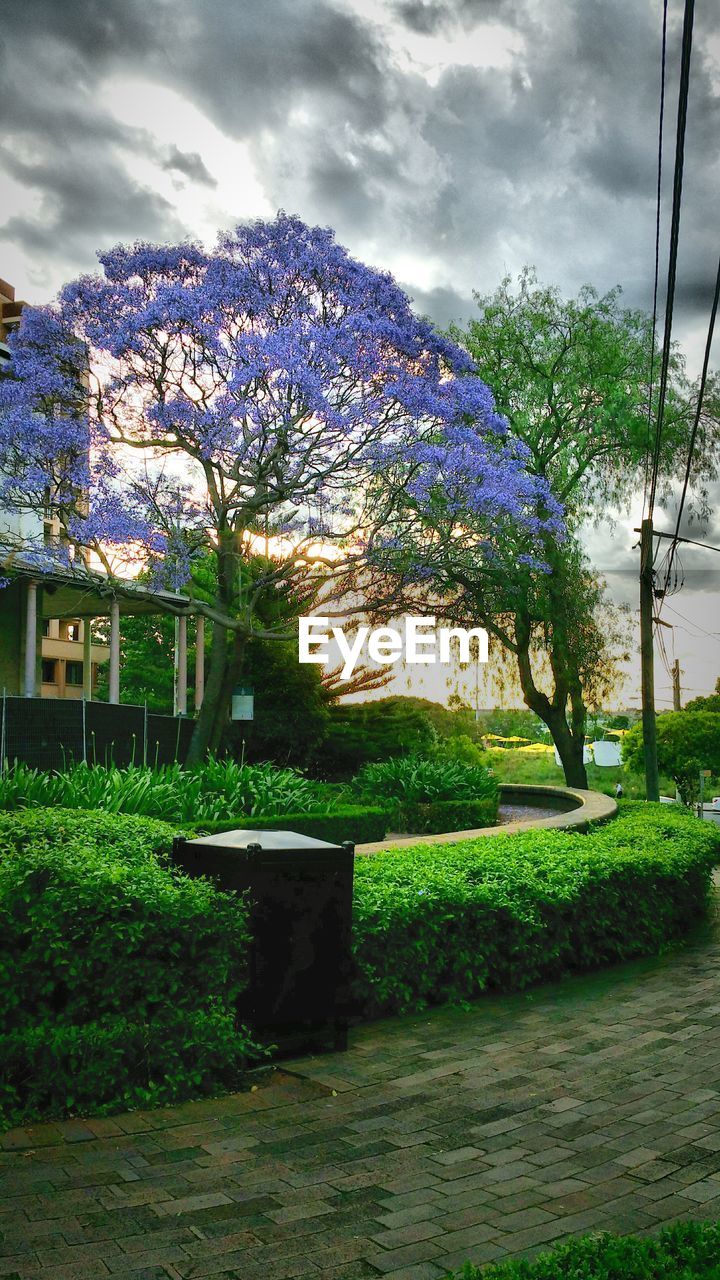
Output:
x,y
576,810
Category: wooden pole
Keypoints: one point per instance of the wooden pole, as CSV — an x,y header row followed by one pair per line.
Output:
x,y
114,675
30,681
647,662
87,659
677,706
180,708
199,662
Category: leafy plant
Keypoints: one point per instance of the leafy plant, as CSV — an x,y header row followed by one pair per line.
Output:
x,y
447,922
423,780
217,790
687,741
118,975
684,1251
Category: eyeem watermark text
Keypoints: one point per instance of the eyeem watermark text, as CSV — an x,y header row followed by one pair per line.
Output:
x,y
421,642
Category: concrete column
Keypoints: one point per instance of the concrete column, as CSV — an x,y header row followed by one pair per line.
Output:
x,y
114,679
29,683
180,666
87,660
200,663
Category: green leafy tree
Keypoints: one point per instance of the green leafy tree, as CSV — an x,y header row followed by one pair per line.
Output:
x,y
687,742
573,379
709,703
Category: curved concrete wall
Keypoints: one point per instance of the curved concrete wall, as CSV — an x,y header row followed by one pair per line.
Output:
x,y
576,809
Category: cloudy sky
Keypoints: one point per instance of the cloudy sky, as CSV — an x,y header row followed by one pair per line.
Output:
x,y
450,141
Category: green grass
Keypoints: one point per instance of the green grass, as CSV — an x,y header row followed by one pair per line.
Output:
x,y
540,769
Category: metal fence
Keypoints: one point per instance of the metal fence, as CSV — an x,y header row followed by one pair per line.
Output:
x,y
49,733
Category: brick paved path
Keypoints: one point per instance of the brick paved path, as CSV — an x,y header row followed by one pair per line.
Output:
x,y
481,1134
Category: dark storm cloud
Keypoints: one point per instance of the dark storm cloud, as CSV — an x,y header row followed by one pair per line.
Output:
x,y
444,306
190,164
428,17
546,158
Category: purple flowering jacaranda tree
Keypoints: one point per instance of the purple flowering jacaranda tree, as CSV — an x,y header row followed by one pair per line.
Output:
x,y
186,402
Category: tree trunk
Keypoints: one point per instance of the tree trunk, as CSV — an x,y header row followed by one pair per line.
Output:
x,y
233,669
570,748
219,685
203,733
568,738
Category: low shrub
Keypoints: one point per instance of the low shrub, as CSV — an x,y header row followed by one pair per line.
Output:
x,y
124,836
119,1061
432,794
208,793
103,952
684,1251
447,922
359,823
425,779
448,815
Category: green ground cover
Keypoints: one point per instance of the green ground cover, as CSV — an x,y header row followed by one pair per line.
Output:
x,y
684,1251
447,922
119,976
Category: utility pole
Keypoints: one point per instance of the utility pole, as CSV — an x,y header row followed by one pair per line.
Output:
x,y
647,662
676,685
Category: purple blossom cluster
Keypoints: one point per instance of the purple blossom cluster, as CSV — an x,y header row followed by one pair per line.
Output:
x,y
274,377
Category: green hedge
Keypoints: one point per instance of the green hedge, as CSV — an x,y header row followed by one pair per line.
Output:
x,y
684,1251
447,922
359,823
118,1062
447,815
105,956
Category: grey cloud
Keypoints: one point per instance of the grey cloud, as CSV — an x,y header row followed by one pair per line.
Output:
x,y
443,305
548,159
190,164
428,17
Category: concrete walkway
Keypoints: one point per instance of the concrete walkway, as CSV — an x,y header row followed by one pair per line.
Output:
x,y
454,1135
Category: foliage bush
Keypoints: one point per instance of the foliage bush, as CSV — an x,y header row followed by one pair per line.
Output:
x,y
684,1251
118,976
447,922
422,780
358,732
687,741
119,1061
211,792
429,793
359,823
448,815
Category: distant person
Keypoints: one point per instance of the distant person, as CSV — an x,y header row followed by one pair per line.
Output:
x,y
618,790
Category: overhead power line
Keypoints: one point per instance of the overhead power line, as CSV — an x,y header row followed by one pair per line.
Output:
x,y
657,245
689,15
696,423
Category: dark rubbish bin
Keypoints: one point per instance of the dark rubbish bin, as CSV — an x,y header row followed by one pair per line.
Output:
x,y
300,894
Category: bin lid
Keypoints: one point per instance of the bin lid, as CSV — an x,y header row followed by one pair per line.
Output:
x,y
270,841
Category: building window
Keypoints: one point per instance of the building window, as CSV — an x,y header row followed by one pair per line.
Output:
x,y
73,631
46,627
73,672
49,671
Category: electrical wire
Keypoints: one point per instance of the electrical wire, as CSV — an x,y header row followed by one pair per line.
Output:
x,y
688,17
663,58
696,422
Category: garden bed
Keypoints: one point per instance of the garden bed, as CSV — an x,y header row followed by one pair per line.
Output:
x,y
120,976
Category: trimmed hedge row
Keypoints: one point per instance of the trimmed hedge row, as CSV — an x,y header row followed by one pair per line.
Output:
x,y
684,1251
447,922
118,976
359,823
447,815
